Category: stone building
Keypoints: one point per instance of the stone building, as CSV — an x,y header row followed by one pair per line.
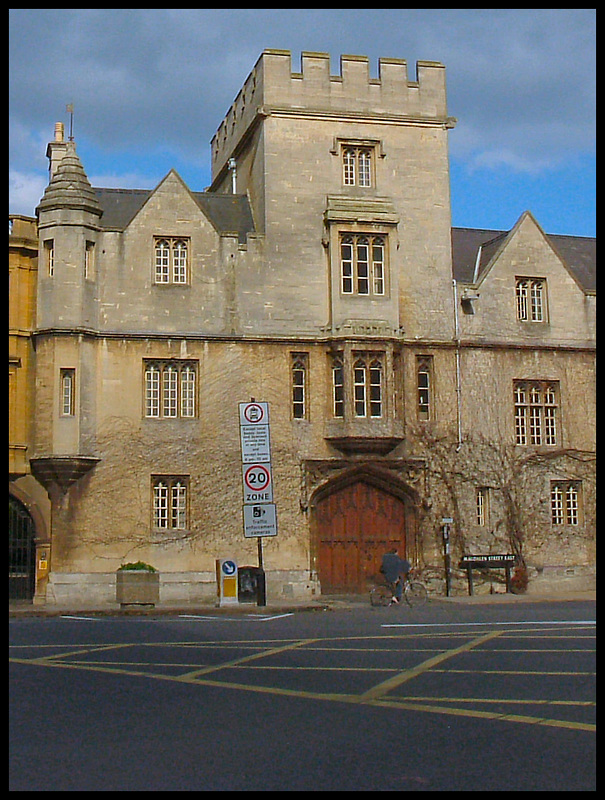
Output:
x,y
413,372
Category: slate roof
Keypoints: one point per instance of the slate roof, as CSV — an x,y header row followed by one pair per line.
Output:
x,y
228,213
231,213
578,252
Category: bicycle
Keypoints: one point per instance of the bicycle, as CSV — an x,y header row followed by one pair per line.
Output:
x,y
415,593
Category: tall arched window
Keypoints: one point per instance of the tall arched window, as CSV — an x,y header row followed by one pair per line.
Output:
x,y
299,385
179,261
338,387
363,264
367,388
162,261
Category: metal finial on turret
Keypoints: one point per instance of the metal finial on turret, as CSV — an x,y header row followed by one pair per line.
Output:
x,y
70,110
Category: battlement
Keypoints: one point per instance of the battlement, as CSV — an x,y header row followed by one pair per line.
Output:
x,y
273,86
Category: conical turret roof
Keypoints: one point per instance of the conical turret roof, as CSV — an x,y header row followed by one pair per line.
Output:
x,y
69,187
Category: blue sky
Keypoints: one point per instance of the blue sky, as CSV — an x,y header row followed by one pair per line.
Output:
x,y
151,86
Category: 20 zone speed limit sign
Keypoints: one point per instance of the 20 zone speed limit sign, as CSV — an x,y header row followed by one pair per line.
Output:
x,y
258,486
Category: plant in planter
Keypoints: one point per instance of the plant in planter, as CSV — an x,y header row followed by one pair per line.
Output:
x,y
137,566
137,584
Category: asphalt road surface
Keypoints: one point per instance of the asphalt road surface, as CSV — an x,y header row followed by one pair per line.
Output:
x,y
445,698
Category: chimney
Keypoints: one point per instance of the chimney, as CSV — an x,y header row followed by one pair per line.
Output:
x,y
56,150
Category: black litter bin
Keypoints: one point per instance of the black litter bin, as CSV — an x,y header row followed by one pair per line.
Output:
x,y
247,584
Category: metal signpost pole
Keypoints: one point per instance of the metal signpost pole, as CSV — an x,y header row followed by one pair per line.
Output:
x,y
446,522
260,517
261,586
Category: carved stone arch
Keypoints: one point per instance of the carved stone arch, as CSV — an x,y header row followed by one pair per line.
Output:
x,y
356,516
42,535
379,476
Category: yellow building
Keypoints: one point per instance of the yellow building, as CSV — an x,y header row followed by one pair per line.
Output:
x,y
29,507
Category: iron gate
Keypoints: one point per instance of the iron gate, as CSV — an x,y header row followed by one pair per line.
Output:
x,y
21,552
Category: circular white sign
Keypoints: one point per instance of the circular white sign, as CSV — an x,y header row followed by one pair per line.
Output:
x,y
257,478
254,413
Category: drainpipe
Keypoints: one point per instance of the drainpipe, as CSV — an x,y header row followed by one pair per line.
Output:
x,y
233,168
458,382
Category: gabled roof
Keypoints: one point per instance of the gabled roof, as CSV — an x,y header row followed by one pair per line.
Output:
x,y
228,213
474,248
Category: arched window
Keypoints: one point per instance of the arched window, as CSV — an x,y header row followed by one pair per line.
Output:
x,y
179,261
357,166
188,392
170,389
359,387
299,385
162,261
170,502
367,388
376,388
363,264
171,261
338,387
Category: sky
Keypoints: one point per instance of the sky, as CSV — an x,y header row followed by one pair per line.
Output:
x,y
151,86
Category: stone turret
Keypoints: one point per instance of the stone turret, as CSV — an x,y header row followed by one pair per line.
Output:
x,y
69,186
68,223
68,226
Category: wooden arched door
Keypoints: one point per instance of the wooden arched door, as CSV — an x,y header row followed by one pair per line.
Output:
x,y
354,526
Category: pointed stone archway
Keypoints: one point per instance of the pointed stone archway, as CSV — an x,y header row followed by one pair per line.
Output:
x,y
356,518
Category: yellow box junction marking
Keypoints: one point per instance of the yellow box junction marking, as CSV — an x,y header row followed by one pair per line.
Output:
x,y
376,696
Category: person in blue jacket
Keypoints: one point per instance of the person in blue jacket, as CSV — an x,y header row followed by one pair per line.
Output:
x,y
395,570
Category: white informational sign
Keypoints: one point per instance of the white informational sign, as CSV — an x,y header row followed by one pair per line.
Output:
x,y
255,443
260,520
258,485
260,515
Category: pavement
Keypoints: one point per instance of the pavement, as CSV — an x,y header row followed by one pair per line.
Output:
x,y
322,603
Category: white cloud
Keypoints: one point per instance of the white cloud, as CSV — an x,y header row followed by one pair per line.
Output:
x,y
25,191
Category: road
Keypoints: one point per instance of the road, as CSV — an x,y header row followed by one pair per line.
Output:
x,y
440,699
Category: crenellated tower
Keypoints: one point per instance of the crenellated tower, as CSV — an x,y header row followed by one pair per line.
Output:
x,y
337,168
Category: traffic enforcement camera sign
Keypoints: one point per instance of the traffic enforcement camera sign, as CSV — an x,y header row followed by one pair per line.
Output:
x,y
260,520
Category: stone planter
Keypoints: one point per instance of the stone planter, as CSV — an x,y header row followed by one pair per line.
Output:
x,y
137,588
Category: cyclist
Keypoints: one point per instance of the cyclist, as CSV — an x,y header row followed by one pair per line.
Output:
x,y
395,570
